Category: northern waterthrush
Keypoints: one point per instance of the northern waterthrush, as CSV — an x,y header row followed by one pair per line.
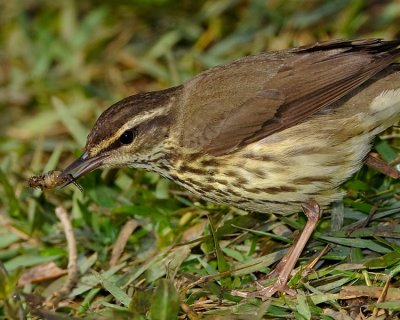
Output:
x,y
265,133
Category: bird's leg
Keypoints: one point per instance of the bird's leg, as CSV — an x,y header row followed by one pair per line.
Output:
x,y
288,262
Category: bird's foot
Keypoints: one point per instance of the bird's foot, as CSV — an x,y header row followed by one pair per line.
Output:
x,y
287,264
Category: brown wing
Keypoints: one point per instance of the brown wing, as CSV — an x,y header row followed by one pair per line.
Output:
x,y
228,107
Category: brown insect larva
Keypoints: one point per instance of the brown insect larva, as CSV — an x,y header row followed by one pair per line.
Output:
x,y
51,180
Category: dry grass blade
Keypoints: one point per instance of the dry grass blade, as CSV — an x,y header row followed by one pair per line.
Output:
x,y
122,239
72,258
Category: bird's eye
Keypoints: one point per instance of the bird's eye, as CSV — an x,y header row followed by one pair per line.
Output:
x,y
127,137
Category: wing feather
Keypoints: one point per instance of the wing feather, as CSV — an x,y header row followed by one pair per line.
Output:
x,y
228,107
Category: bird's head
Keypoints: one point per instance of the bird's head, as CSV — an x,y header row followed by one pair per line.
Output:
x,y
131,132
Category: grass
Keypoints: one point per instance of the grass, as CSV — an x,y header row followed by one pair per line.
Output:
x,y
65,62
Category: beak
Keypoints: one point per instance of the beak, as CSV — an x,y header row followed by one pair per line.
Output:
x,y
81,166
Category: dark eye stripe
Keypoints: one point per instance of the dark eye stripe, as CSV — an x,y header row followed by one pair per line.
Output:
x,y
161,120
118,143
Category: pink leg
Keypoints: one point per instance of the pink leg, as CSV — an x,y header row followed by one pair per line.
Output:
x,y
288,262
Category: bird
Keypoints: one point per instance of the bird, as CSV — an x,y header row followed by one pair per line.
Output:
x,y
277,132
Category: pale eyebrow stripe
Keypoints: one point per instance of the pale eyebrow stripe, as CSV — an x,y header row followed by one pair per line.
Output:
x,y
138,119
